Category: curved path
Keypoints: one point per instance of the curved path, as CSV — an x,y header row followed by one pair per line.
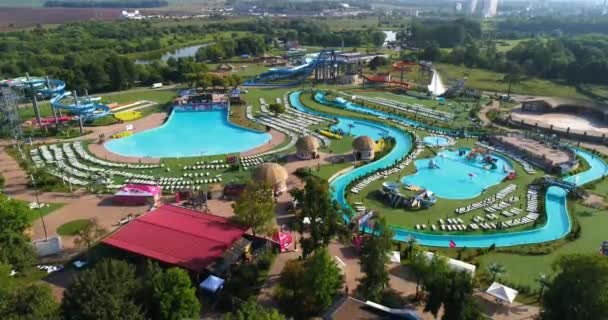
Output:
x,y
558,221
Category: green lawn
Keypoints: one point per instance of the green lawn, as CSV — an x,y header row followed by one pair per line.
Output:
x,y
72,228
507,45
492,81
161,96
341,146
522,269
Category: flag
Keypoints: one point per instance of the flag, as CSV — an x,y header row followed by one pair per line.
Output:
x,y
452,244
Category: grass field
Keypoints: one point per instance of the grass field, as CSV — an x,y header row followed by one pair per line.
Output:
x,y
507,45
492,81
522,269
71,228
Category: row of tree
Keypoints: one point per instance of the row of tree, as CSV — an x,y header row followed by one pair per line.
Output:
x,y
581,59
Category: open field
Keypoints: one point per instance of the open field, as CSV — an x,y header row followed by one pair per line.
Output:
x,y
172,3
492,81
22,17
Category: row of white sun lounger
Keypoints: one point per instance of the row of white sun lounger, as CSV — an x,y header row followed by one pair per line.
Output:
x,y
385,173
532,197
81,152
489,201
207,167
527,166
511,212
416,108
496,207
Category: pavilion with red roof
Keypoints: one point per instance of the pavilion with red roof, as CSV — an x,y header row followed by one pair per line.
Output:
x,y
175,235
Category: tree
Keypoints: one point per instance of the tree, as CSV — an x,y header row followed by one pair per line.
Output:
x,y
15,247
374,259
276,108
451,289
411,246
419,268
496,269
543,282
325,278
318,205
104,292
435,284
251,310
255,207
578,291
89,233
513,76
377,62
377,38
170,295
291,292
19,302
308,287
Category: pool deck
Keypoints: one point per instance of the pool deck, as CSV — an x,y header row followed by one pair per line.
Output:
x,y
276,139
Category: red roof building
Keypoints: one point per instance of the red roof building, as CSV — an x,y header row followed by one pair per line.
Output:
x,y
178,236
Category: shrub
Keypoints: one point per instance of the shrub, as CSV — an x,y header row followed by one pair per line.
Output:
x,y
122,134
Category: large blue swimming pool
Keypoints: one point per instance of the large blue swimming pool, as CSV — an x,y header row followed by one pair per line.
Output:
x,y
558,221
456,177
188,134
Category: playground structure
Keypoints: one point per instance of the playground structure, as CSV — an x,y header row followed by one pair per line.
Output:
x,y
84,108
423,198
490,162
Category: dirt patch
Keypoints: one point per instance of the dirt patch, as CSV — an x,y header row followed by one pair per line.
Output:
x,y
595,201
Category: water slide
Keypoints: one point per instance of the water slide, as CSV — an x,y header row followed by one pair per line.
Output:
x,y
44,86
86,107
293,76
558,223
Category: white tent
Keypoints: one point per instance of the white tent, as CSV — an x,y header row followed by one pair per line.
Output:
x,y
212,284
455,264
395,257
502,292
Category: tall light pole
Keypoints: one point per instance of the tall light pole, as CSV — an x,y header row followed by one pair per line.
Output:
x,y
46,237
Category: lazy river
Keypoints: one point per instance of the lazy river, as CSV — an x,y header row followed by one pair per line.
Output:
x,y
558,221
188,134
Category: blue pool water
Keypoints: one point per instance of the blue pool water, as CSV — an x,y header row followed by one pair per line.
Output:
x,y
358,128
558,222
188,134
453,180
435,141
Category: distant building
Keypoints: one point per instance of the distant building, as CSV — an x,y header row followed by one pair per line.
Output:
x,y
135,15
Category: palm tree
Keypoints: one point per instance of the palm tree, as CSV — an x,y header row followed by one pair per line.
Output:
x,y
543,282
496,269
411,243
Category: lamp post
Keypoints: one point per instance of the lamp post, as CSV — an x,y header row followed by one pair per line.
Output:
x,y
46,237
